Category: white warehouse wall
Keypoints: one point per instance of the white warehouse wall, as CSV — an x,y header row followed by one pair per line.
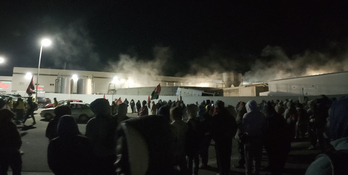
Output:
x,y
101,80
328,84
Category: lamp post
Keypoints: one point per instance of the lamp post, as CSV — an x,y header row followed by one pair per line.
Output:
x,y
44,42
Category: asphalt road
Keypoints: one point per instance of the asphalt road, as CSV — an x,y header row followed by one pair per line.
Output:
x,y
35,157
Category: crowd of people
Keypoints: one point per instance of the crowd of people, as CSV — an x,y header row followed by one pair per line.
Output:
x,y
175,137
23,109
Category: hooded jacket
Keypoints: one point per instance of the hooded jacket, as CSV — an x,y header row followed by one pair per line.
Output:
x,y
338,132
51,130
254,121
144,149
70,152
100,130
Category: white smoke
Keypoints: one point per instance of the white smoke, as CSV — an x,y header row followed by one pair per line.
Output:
x,y
73,48
283,66
141,72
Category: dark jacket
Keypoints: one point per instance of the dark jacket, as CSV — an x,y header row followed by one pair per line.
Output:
x,y
70,152
193,137
100,130
51,130
151,147
224,125
10,140
278,132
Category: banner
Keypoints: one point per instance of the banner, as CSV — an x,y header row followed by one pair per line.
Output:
x,y
156,92
31,88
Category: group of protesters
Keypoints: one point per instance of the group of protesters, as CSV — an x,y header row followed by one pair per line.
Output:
x,y
175,138
23,109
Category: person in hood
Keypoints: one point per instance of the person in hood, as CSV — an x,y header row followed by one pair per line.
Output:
x,y
277,140
223,129
143,110
291,117
337,131
51,130
10,143
70,153
145,149
100,130
253,125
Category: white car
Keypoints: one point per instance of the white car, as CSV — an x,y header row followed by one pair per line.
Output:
x,y
80,111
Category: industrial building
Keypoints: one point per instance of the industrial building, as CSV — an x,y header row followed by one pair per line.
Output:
x,y
328,84
92,82
59,81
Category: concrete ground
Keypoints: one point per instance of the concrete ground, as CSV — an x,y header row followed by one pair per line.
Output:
x,y
35,147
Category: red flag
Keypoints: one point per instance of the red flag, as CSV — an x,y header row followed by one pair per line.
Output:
x,y
30,89
156,92
119,101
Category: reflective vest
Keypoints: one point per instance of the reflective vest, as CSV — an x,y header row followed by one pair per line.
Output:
x,y
20,105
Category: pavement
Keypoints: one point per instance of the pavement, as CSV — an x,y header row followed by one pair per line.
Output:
x,y
35,145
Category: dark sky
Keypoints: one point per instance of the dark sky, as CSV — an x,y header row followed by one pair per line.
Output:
x,y
176,39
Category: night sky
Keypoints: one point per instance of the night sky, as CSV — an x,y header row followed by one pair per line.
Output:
x,y
261,39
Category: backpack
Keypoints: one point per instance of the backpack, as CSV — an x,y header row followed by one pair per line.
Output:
x,y
338,160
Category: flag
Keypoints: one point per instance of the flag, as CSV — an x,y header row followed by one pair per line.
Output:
x,y
156,92
31,88
119,101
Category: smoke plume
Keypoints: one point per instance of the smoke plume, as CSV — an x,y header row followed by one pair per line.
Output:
x,y
283,66
73,48
141,72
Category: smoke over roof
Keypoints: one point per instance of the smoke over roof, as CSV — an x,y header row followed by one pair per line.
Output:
x,y
75,49
279,65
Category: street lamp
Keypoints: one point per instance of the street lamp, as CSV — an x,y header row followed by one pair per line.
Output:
x,y
45,42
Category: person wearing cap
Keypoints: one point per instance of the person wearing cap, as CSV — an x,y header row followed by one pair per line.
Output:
x,y
10,143
51,130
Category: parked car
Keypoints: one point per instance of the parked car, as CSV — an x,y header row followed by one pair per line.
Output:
x,y
80,111
62,102
42,101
